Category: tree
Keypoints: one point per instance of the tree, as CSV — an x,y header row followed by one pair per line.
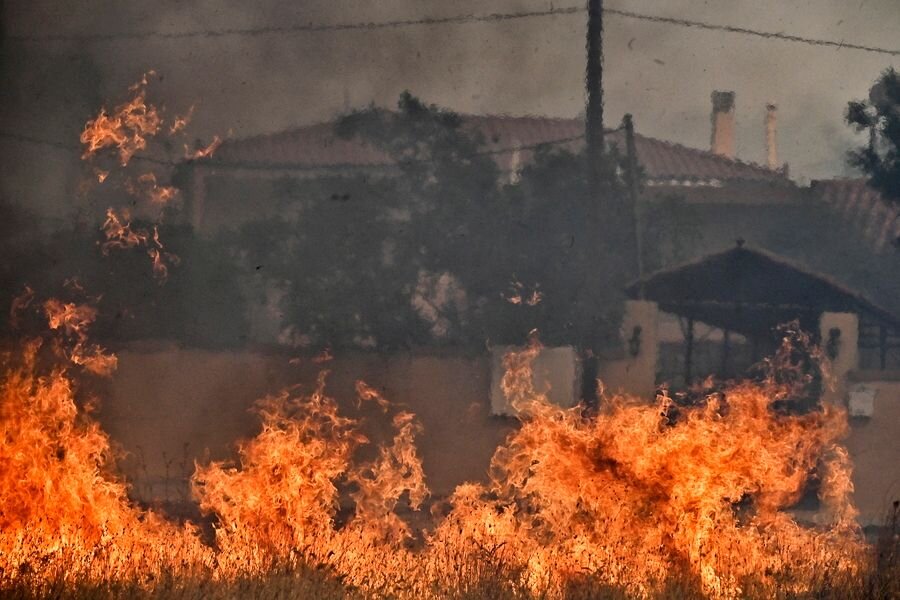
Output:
x,y
540,253
337,265
557,237
449,193
440,251
879,115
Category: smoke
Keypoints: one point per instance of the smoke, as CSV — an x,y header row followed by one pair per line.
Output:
x,y
256,84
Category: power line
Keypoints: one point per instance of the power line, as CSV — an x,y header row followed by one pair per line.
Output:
x,y
431,21
27,139
251,166
300,28
752,32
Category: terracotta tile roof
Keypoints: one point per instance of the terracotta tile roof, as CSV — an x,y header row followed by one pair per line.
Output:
x,y
769,289
312,146
862,208
511,140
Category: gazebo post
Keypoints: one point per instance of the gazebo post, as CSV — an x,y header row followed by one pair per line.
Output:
x,y
689,352
726,351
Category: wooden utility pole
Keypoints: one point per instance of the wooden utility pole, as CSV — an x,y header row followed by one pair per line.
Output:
x,y
594,81
631,179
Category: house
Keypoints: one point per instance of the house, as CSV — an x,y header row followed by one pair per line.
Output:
x,y
316,151
869,215
820,253
691,203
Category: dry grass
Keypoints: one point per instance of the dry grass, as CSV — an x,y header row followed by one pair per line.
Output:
x,y
297,583
483,580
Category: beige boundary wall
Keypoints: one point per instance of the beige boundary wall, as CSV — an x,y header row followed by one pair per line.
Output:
x,y
874,446
163,397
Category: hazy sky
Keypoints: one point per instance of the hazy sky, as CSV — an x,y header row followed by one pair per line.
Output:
x,y
661,73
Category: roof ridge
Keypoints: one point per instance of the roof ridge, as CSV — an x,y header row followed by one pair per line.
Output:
x,y
533,117
710,154
841,179
778,259
539,130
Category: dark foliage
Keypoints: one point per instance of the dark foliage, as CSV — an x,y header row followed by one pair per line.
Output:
x,y
441,251
880,116
199,303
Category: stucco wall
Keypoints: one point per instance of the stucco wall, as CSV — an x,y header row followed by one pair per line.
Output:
x,y
874,445
163,398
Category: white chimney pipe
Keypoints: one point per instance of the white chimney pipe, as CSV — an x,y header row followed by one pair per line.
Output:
x,y
722,141
772,136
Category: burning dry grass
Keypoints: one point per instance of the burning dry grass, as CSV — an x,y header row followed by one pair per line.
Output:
x,y
641,500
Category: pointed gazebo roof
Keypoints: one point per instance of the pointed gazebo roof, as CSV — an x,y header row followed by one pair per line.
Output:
x,y
751,291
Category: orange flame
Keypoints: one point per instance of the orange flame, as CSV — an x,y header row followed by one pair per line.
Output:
x,y
366,393
73,320
118,232
120,235
205,151
519,295
629,498
101,175
126,129
180,122
146,187
63,517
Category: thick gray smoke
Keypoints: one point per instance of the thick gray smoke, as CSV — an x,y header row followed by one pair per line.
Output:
x,y
248,85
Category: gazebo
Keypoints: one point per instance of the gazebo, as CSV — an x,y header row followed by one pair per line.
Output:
x,y
750,292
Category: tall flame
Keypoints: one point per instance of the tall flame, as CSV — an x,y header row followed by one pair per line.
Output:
x,y
64,518
635,497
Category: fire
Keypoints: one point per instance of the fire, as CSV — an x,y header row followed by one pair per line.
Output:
x,y
73,321
161,259
366,393
632,497
640,490
281,503
118,232
126,129
519,295
637,497
146,187
205,151
64,517
182,121
121,235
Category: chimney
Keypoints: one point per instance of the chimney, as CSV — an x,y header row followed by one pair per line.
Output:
x,y
772,136
722,142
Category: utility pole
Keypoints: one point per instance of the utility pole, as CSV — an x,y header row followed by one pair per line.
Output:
x,y
631,179
594,81
589,243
